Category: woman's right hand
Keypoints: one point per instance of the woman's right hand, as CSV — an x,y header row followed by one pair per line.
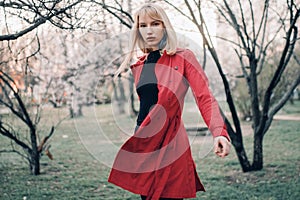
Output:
x,y
221,146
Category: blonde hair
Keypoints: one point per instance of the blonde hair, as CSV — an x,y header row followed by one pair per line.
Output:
x,y
157,13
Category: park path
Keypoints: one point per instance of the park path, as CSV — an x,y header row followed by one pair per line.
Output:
x,y
287,117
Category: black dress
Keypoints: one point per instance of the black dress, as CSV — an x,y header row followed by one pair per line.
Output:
x,y
147,86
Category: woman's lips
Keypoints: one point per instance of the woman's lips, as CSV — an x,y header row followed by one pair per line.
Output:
x,y
150,38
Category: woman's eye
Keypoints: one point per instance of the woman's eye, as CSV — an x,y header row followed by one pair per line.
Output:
x,y
156,23
153,24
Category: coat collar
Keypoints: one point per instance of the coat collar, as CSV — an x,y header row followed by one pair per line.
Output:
x,y
163,53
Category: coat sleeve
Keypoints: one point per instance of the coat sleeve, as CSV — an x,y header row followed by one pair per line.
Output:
x,y
206,102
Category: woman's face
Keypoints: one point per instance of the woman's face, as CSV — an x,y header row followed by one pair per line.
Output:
x,y
151,30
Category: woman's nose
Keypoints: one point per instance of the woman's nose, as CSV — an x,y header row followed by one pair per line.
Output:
x,y
149,30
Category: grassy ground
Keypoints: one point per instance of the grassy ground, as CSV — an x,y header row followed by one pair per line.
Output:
x,y
80,171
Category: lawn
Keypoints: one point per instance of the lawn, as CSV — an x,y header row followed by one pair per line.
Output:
x,y
83,150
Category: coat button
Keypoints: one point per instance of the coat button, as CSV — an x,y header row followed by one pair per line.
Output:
x,y
175,67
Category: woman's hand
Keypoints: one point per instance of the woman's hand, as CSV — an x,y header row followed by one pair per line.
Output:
x,y
221,146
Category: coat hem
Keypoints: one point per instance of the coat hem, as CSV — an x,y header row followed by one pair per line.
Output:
x,y
138,191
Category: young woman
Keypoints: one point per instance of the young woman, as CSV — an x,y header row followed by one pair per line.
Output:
x,y
156,162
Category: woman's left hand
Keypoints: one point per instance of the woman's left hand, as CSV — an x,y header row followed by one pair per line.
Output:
x,y
221,146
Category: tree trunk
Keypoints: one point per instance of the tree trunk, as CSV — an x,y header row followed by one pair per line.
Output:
x,y
35,163
237,142
122,96
253,86
133,111
258,153
244,162
240,152
75,111
119,96
34,157
76,104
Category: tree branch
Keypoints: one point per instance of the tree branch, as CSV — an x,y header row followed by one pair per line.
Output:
x,y
245,73
178,10
287,95
44,141
41,20
245,31
4,131
13,151
23,32
262,52
108,9
286,55
10,105
237,28
296,58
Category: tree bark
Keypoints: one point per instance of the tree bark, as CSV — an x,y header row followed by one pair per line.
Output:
x,y
237,142
35,162
133,111
258,153
243,159
35,155
122,98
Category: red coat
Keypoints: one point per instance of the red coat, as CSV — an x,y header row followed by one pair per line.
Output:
x,y
156,161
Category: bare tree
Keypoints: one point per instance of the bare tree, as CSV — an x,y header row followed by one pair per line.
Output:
x,y
251,47
11,99
122,11
21,22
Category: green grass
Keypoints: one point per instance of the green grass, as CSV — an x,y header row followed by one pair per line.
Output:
x,y
278,180
78,172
